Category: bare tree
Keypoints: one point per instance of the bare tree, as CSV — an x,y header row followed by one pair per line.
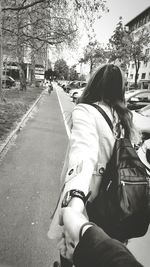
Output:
x,y
34,24
34,27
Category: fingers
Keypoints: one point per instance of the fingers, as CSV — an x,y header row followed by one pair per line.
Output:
x,y
61,218
66,246
72,221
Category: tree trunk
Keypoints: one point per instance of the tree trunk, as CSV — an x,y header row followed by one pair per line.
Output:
x,y
91,65
22,77
137,66
33,67
20,55
23,85
135,80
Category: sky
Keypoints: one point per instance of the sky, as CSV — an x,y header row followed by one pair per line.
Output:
x,y
127,9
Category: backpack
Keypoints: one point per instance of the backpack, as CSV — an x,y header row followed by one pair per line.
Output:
x,y
122,206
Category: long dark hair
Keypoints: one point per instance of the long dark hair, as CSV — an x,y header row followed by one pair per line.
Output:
x,y
107,85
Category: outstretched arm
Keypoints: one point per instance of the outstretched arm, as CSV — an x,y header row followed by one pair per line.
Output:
x,y
83,154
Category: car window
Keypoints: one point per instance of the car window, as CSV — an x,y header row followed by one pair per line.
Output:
x,y
83,84
11,79
130,93
145,110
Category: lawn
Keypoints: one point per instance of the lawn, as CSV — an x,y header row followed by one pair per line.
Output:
x,y
14,107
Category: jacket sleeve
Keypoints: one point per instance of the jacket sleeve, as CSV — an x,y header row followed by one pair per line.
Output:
x,y
83,150
80,161
96,249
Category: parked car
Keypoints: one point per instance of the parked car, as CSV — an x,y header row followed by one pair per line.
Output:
x,y
77,94
145,112
64,85
136,99
130,93
81,86
74,85
8,81
71,85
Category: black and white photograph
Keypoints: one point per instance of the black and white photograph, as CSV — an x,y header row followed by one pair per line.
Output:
x,y
74,133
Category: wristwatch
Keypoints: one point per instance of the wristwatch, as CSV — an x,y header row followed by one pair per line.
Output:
x,y
74,193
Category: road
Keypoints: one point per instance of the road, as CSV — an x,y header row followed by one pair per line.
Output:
x,y
29,187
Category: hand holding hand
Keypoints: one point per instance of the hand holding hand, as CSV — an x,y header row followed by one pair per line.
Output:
x,y
73,221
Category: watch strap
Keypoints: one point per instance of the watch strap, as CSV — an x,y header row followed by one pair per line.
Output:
x,y
74,193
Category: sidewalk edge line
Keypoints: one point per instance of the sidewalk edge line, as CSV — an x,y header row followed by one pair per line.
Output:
x,y
62,111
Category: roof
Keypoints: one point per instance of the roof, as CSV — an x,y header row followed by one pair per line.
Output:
x,y
137,15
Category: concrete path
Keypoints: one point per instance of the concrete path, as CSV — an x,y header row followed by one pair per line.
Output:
x,y
29,187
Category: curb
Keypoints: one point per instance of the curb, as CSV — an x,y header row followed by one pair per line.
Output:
x,y
17,129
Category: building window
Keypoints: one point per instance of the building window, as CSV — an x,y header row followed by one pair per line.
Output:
x,y
147,18
140,22
132,66
145,64
131,76
143,75
144,20
147,51
136,25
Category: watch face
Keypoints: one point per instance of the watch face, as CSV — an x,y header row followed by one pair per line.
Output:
x,y
73,193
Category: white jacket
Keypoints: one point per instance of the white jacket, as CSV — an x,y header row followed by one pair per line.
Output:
x,y
90,148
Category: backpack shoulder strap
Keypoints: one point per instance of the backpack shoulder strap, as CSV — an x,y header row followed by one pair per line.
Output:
x,y
104,115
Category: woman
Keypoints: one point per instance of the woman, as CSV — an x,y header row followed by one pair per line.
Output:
x,y
92,141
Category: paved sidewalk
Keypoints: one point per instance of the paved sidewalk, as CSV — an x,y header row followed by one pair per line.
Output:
x,y
29,187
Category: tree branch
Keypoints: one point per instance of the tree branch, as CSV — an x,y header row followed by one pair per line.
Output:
x,y
21,7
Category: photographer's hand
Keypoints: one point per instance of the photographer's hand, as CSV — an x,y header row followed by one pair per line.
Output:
x,y
73,222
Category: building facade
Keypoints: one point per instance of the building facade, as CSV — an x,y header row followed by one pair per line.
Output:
x,y
135,26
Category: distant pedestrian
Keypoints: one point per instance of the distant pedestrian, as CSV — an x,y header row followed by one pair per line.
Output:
x,y
50,88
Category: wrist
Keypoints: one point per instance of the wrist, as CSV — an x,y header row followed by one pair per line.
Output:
x,y
74,193
84,228
76,204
